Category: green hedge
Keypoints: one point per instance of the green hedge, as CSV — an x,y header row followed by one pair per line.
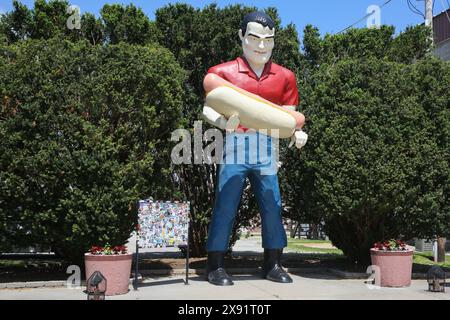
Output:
x,y
84,132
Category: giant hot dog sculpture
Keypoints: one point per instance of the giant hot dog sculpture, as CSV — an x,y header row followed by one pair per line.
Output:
x,y
253,111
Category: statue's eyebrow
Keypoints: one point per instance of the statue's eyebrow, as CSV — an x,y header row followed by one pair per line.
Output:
x,y
254,35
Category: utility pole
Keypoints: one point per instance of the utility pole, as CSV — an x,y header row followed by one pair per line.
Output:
x,y
429,17
441,249
439,252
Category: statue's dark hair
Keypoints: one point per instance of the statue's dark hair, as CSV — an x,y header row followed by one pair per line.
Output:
x,y
258,17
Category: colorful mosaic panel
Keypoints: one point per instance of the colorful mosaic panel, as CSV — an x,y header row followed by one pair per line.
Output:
x,y
163,224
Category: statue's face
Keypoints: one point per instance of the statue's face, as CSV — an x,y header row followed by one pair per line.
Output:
x,y
258,43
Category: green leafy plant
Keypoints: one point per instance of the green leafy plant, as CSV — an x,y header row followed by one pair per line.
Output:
x,y
376,164
84,134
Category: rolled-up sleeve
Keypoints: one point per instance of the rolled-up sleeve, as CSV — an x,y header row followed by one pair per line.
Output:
x,y
216,70
290,97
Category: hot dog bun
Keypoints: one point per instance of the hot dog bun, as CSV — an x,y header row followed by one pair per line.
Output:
x,y
254,112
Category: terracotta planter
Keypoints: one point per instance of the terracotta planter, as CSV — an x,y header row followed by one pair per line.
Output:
x,y
395,267
115,268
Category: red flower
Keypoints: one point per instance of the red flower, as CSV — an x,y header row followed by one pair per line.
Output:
x,y
120,250
391,245
96,250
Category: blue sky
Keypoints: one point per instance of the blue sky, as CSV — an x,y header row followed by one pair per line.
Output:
x,y
329,15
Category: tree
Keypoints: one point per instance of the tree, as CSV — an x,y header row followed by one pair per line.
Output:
x,y
49,19
118,23
16,25
128,24
374,168
410,45
44,21
92,29
430,216
85,133
328,100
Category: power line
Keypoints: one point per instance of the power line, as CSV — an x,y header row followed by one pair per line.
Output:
x,y
363,18
414,9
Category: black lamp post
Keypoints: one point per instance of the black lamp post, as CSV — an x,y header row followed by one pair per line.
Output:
x,y
96,286
436,279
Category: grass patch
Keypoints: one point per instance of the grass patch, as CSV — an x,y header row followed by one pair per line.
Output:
x,y
15,264
7,264
426,258
298,245
308,241
15,269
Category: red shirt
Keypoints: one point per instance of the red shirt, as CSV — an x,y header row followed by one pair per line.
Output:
x,y
277,84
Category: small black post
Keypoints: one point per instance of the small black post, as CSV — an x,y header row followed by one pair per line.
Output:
x,y
187,258
136,267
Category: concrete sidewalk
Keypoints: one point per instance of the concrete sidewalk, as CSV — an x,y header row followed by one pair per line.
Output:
x,y
305,287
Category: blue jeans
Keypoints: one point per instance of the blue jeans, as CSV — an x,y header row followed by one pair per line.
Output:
x,y
261,169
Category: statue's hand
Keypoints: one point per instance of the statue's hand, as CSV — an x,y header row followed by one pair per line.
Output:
x,y
232,124
214,118
299,138
219,121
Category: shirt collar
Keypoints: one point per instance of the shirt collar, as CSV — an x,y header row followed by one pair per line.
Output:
x,y
244,67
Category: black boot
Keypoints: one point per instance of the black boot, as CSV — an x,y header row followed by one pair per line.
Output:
x,y
272,269
215,272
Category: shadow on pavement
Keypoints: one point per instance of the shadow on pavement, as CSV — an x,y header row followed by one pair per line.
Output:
x,y
319,275
160,282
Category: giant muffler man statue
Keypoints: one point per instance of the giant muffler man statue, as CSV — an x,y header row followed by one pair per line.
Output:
x,y
258,83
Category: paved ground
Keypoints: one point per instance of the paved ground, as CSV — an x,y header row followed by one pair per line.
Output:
x,y
247,287
305,287
250,245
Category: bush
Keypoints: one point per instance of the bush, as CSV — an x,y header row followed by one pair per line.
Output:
x,y
84,134
377,162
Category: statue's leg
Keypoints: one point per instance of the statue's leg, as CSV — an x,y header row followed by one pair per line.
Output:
x,y
267,192
228,195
